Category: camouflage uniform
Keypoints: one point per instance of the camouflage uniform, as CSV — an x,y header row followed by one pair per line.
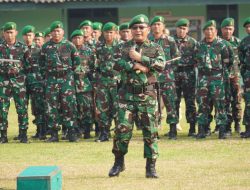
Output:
x,y
135,100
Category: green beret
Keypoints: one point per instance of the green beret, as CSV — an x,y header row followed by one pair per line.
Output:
x,y
139,19
9,26
28,29
182,22
124,26
77,32
209,23
227,22
247,21
97,26
157,19
56,24
86,23
109,26
47,32
39,34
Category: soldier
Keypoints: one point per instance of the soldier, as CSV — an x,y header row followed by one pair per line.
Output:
x,y
185,77
212,58
83,86
166,78
106,93
125,32
47,35
137,97
59,58
39,39
34,81
244,55
12,80
227,29
97,31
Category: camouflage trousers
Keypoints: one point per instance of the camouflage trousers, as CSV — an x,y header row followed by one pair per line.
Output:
x,y
61,104
246,96
146,113
13,88
185,82
210,91
107,104
168,92
85,110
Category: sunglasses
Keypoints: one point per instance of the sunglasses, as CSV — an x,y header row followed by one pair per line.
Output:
x,y
138,27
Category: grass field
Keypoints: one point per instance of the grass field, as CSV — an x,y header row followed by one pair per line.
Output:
x,y
183,164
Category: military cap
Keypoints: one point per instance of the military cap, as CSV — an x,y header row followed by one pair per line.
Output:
x,y
28,29
86,23
124,26
227,22
39,34
157,19
247,21
182,22
139,19
9,26
97,26
76,33
47,32
56,24
209,23
109,26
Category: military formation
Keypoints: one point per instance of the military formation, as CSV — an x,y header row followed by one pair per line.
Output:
x,y
124,75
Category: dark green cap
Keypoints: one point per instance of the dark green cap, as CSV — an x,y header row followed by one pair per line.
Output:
x,y
124,26
157,19
86,23
139,19
77,32
182,22
209,23
47,31
109,26
227,22
9,26
56,24
39,34
247,21
28,29
97,26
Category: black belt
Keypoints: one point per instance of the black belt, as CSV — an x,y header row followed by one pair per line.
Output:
x,y
184,68
140,89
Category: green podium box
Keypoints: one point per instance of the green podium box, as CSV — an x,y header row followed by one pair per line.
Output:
x,y
40,178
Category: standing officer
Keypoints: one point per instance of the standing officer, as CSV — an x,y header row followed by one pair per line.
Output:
x,y
59,58
212,59
244,55
125,32
137,96
47,35
166,78
185,77
39,39
13,81
97,31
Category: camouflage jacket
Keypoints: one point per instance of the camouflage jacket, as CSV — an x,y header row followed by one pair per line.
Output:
x,y
16,52
58,60
187,47
213,59
170,51
84,70
244,54
152,57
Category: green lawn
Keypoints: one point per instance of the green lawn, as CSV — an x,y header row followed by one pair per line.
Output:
x,y
183,164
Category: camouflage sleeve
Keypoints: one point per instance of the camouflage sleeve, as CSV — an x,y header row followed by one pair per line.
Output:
x,y
75,58
42,61
227,55
195,48
174,52
241,57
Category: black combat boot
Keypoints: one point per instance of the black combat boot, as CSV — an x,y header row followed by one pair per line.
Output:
x,y
216,130
201,132
3,138
72,135
191,132
222,132
237,127
23,136
65,133
104,136
228,131
54,136
42,134
207,130
247,133
87,131
36,136
150,168
118,166
173,132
